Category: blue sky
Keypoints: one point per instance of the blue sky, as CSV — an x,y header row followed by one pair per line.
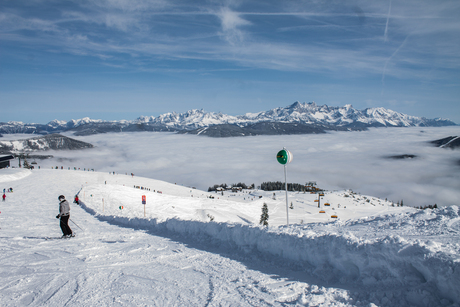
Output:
x,y
120,59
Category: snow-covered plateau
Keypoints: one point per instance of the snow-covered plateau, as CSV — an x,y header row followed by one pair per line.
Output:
x,y
188,247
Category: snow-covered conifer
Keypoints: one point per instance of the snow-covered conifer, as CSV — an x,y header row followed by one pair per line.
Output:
x,y
264,216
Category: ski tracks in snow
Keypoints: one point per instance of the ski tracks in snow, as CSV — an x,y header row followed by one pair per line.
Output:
x,y
109,265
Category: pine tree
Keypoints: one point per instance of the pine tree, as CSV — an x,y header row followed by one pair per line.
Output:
x,y
264,216
26,164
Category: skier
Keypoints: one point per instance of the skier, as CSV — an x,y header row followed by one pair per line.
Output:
x,y
4,196
76,200
64,214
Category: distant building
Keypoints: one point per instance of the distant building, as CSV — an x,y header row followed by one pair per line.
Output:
x,y
5,161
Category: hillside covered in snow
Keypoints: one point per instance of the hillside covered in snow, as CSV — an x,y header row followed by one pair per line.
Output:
x,y
40,143
188,247
298,118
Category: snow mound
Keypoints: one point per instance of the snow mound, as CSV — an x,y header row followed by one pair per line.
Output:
x,y
426,271
11,174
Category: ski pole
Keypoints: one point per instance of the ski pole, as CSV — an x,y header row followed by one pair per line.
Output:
x,y
76,224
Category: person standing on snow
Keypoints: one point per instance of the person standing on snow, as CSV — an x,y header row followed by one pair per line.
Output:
x,y
4,196
76,200
64,214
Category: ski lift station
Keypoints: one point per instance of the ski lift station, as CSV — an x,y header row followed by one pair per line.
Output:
x,y
5,161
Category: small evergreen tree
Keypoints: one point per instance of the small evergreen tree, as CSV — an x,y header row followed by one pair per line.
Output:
x,y
264,216
26,164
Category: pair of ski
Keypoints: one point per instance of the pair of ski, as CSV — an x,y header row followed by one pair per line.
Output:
x,y
62,237
49,238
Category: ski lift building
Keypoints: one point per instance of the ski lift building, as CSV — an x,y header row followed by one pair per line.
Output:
x,y
5,161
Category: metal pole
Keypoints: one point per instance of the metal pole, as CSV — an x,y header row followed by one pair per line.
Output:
x,y
285,186
75,224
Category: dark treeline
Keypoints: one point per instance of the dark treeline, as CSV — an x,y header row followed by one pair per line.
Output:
x,y
429,207
278,185
234,185
214,187
267,186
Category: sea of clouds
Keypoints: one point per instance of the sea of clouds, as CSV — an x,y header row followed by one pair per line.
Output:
x,y
336,160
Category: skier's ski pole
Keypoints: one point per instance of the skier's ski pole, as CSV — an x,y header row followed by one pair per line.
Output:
x,y
76,224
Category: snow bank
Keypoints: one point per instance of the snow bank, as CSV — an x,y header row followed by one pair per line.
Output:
x,y
11,174
426,273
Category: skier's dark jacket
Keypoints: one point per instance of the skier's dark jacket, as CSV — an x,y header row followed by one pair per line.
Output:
x,y
64,208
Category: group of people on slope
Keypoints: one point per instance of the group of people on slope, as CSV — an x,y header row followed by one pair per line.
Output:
x,y
10,190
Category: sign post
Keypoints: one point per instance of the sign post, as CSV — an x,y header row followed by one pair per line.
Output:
x,y
284,157
144,201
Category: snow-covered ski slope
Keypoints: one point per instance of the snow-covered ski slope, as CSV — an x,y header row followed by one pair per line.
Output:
x,y
372,254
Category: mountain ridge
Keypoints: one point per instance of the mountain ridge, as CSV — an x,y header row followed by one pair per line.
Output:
x,y
193,121
53,141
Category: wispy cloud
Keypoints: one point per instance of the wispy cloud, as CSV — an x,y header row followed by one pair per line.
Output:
x,y
128,5
306,41
231,23
159,28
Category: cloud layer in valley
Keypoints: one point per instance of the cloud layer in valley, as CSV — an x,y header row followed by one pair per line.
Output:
x,y
338,160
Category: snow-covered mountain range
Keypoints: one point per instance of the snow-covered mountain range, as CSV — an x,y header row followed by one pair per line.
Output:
x,y
298,118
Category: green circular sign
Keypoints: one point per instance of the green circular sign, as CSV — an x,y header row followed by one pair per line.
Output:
x,y
284,156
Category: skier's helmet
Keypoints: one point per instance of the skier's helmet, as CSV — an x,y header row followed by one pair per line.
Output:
x,y
61,197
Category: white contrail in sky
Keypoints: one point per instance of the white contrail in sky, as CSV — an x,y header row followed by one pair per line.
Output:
x,y
388,60
385,34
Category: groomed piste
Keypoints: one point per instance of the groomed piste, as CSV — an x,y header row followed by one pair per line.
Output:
x,y
374,252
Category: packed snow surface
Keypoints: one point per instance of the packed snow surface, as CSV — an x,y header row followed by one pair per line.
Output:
x,y
188,247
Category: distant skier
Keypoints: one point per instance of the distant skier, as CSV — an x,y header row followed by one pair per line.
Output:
x,y
64,215
4,196
76,200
